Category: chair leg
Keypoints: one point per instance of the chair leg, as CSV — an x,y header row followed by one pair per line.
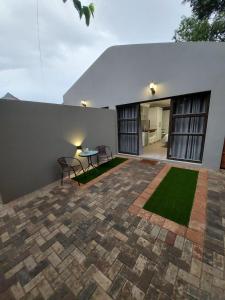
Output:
x,y
76,175
62,178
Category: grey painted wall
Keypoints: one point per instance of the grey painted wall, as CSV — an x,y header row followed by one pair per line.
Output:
x,y
34,135
122,74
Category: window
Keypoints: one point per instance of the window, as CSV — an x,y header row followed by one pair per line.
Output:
x,y
188,127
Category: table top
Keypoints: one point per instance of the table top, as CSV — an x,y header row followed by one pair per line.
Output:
x,y
88,153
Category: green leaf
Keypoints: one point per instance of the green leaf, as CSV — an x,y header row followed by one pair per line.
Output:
x,y
92,9
77,4
87,14
87,11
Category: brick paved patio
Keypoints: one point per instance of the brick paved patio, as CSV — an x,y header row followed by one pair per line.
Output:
x,y
70,243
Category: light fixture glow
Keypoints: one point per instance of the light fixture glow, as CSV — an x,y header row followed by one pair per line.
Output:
x,y
78,150
83,103
152,87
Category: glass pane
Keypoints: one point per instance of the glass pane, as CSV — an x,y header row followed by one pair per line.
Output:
x,y
198,104
180,125
190,104
128,143
196,125
127,126
194,148
186,147
182,105
178,146
188,125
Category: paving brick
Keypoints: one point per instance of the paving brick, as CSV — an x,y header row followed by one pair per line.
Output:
x,y
87,292
54,259
155,231
206,281
196,267
179,242
74,285
100,294
119,235
116,286
145,279
140,264
115,268
86,243
162,234
158,246
113,255
193,280
33,282
14,270
187,251
102,280
170,238
171,273
130,290
17,291
213,271
218,261
217,282
143,242
45,289
57,247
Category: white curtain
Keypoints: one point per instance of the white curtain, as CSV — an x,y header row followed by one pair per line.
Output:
x,y
128,129
187,130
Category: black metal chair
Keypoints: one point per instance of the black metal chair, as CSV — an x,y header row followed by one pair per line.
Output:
x,y
104,153
68,164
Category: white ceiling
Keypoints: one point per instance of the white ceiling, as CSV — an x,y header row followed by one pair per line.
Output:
x,y
159,103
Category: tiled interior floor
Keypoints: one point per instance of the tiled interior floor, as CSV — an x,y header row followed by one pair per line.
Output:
x,y
156,150
69,243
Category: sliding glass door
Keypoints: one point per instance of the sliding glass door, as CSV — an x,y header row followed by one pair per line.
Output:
x,y
188,121
128,128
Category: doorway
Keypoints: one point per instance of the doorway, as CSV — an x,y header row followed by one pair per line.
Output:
x,y
172,128
155,118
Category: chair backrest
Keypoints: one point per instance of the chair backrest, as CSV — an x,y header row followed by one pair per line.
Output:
x,y
101,150
62,162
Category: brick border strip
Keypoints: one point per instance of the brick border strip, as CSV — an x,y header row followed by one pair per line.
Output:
x,y
104,175
197,224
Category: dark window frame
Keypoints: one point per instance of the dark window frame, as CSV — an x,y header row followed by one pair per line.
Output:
x,y
136,119
188,134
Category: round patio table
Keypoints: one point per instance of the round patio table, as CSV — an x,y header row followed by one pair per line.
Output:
x,y
89,155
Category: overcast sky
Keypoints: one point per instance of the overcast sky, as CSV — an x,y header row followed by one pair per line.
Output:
x,y
68,47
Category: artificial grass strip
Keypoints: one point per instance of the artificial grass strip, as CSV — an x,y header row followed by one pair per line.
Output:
x,y
93,173
173,199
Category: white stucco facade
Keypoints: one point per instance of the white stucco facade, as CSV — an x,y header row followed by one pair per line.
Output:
x,y
122,75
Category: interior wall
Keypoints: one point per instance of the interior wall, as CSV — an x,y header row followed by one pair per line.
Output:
x,y
33,135
165,120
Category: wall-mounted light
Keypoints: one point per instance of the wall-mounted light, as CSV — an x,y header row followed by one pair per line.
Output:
x,y
152,87
83,103
78,149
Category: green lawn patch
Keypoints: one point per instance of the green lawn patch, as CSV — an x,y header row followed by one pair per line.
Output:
x,y
173,199
93,173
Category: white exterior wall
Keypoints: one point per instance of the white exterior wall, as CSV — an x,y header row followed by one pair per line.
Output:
x,y
122,74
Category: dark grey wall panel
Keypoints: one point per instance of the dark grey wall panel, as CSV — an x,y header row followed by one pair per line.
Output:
x,y
33,135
